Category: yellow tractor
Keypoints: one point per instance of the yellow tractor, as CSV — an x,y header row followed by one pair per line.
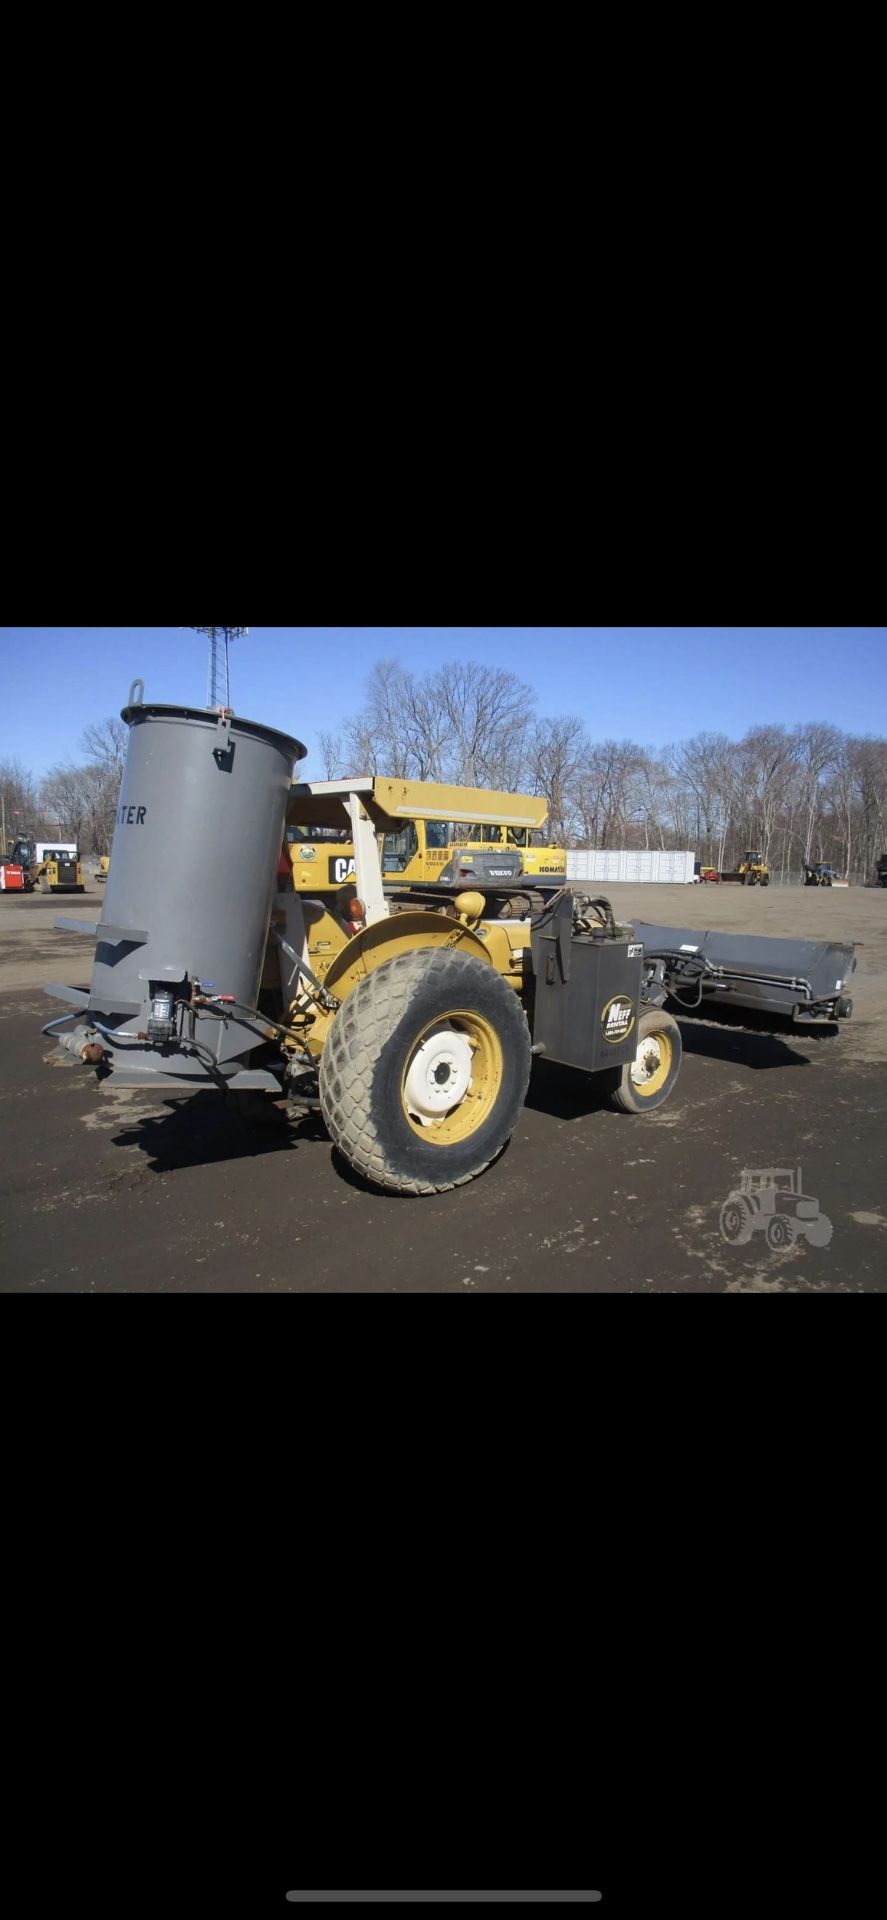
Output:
x,y
417,993
432,838
413,1005
408,1012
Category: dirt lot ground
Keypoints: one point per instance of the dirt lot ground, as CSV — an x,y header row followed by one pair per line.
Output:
x,y
109,1191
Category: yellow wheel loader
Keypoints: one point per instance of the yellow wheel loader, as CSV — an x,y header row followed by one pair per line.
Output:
x,y
752,871
409,1014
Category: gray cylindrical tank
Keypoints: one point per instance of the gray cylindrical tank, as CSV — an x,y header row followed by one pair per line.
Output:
x,y
200,823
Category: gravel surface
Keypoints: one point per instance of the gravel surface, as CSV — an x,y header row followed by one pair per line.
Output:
x,y
110,1191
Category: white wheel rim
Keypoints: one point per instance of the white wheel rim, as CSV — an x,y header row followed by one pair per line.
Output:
x,y
439,1075
647,1060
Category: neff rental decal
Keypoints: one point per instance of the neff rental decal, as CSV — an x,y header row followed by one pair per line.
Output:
x,y
617,1018
131,816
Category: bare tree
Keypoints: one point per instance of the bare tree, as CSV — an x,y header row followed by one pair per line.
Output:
x,y
331,755
18,801
842,795
652,796
703,768
605,789
487,711
558,749
464,723
817,747
799,794
66,802
104,743
869,757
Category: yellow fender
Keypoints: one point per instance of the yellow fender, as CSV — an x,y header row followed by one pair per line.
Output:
x,y
364,952
402,933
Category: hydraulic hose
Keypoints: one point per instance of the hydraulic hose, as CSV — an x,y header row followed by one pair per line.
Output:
x,y
546,912
73,1015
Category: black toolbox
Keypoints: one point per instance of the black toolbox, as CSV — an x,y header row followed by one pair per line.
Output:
x,y
587,993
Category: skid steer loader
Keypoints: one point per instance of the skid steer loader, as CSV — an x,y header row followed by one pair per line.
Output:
x,y
409,1015
49,866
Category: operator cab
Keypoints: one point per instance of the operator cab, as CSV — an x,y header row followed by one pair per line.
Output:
x,y
398,849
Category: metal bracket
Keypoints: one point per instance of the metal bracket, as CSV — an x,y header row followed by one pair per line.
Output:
x,y
223,751
63,925
316,989
564,938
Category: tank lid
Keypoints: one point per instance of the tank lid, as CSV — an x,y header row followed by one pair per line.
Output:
x,y
208,717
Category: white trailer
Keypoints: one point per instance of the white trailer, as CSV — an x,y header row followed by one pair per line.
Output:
x,y
604,864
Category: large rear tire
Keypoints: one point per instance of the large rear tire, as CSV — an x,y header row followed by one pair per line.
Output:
x,y
737,1224
425,1071
646,1081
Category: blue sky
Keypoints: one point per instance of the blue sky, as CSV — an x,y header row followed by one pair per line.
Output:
x,y
650,684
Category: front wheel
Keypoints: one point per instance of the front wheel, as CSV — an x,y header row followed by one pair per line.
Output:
x,y
780,1232
425,1071
646,1081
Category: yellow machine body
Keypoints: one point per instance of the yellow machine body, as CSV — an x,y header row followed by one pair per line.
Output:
x,y
341,958
419,823
752,871
408,1012
59,873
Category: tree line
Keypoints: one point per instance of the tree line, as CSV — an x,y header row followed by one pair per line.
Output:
x,y
74,801
798,794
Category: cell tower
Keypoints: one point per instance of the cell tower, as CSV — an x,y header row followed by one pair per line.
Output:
x,y
218,684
